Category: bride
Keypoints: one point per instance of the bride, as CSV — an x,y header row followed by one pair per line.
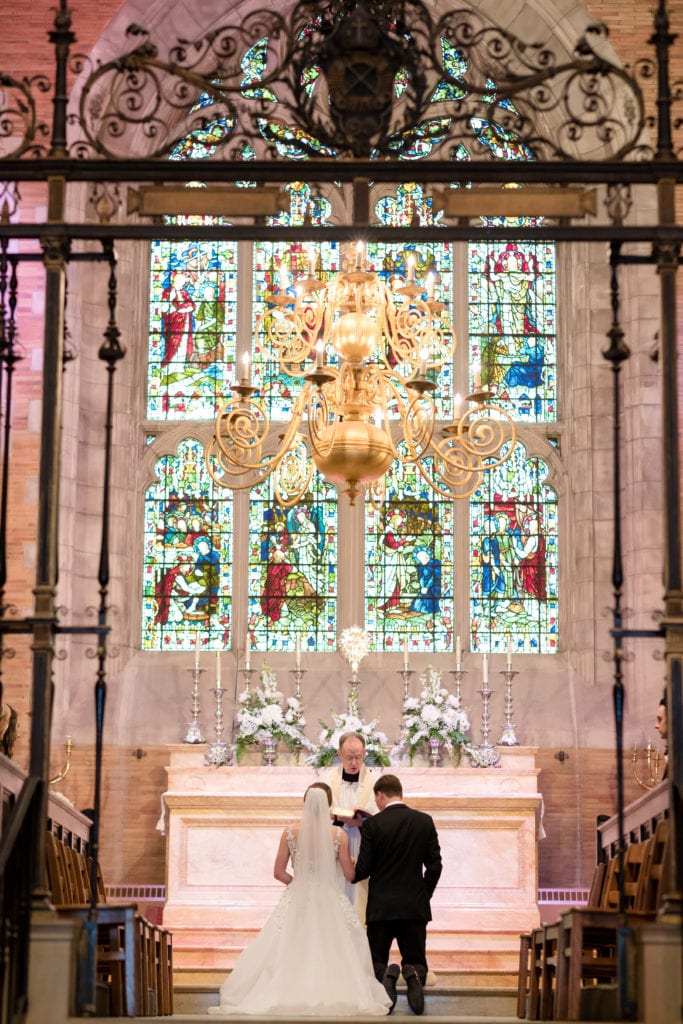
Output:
x,y
312,957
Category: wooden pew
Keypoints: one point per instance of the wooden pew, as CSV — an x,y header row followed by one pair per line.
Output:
x,y
134,957
588,937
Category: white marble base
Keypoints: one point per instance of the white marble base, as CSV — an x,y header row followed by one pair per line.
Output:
x,y
224,824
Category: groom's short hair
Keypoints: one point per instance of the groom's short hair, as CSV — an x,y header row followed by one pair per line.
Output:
x,y
389,785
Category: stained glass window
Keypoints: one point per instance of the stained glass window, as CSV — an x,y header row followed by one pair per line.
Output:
x,y
277,268
409,566
391,263
512,325
513,559
187,555
193,299
293,570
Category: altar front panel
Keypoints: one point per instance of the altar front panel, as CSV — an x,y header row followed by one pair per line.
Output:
x,y
224,826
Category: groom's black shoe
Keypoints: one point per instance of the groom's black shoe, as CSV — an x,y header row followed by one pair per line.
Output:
x,y
416,999
389,981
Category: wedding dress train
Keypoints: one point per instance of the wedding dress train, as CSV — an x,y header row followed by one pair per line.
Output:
x,y
312,957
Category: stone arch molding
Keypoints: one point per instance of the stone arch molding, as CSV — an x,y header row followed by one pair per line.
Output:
x,y
520,33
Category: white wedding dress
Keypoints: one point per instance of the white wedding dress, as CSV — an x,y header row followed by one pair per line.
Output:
x,y
312,956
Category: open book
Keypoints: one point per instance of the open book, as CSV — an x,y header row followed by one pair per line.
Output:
x,y
349,812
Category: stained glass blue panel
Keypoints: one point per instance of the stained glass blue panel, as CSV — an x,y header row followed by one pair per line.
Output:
x,y
512,325
293,570
187,555
409,566
513,559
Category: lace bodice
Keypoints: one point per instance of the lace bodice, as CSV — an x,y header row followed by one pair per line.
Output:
x,y
291,843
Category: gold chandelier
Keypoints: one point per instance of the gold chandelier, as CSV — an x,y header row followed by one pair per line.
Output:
x,y
363,352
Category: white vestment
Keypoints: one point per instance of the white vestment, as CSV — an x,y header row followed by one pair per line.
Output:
x,y
354,795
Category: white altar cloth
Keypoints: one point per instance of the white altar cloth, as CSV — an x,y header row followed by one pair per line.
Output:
x,y
223,827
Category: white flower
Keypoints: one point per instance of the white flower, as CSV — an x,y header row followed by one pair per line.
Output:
x,y
271,714
436,714
430,714
354,645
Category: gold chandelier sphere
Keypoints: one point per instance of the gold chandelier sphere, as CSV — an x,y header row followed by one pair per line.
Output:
x,y
356,336
353,452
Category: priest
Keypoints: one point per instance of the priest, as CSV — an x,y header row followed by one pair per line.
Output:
x,y
351,783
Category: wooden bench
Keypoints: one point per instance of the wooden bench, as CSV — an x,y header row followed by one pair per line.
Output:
x,y
558,961
134,957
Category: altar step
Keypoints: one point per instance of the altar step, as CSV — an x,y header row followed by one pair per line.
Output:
x,y
453,1004
467,959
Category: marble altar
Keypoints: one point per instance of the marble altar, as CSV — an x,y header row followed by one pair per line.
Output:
x,y
223,826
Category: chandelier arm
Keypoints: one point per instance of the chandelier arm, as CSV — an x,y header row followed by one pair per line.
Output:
x,y
241,428
484,434
450,485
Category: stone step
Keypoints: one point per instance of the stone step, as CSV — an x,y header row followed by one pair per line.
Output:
x,y
202,976
452,1004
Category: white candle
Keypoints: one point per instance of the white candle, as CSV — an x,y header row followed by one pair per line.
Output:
x,y
430,286
509,658
318,355
196,651
485,670
311,261
245,368
246,651
359,256
405,655
423,362
218,670
284,278
411,269
298,652
458,652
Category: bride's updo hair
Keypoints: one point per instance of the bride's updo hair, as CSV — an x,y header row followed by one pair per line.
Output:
x,y
325,788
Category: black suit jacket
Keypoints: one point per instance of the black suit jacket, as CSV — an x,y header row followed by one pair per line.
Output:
x,y
396,845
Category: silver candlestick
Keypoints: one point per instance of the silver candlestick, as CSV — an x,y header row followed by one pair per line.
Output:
x,y
353,696
458,674
247,672
485,755
194,732
508,737
406,673
219,752
298,676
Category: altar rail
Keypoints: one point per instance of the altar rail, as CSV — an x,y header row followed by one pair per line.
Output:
x,y
640,821
65,822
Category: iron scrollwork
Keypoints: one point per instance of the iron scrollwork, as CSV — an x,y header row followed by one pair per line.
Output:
x,y
364,78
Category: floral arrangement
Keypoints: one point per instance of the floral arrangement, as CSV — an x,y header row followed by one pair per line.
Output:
x,y
329,740
264,714
434,715
354,645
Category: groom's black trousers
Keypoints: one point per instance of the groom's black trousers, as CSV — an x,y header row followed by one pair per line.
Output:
x,y
411,938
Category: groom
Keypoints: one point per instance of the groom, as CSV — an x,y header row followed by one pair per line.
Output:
x,y
396,845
